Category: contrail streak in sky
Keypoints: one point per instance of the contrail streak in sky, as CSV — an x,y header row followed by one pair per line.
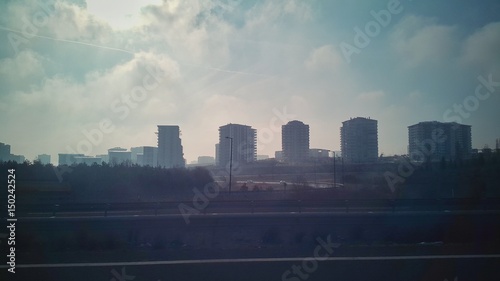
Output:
x,y
130,52
71,41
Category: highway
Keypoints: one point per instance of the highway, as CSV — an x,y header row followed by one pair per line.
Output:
x,y
387,268
433,240
255,206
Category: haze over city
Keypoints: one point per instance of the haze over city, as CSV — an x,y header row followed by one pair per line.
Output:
x,y
250,140
202,65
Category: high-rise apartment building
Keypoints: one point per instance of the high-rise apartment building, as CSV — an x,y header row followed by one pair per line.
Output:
x,y
170,154
295,141
433,141
244,146
359,140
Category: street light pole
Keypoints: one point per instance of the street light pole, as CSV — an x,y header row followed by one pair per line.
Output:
x,y
343,171
230,162
334,171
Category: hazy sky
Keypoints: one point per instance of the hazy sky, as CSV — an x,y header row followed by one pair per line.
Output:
x,y
124,67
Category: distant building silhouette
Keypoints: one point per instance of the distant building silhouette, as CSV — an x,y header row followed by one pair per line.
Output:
x,y
4,151
6,156
295,141
118,155
104,158
336,153
68,158
244,144
43,159
205,160
318,153
278,155
88,160
217,154
144,156
135,153
359,140
170,153
17,158
432,140
262,157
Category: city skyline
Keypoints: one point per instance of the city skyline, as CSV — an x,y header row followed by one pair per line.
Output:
x,y
358,132
202,64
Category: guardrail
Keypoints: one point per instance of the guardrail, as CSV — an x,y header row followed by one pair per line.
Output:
x,y
253,206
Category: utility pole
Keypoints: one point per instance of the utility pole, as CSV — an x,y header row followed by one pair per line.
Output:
x,y
334,172
342,170
230,162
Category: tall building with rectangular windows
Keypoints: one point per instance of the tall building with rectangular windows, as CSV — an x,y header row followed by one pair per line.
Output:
x,y
359,140
244,144
295,141
433,141
170,154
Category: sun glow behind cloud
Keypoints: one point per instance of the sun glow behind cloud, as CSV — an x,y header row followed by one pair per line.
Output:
x,y
119,14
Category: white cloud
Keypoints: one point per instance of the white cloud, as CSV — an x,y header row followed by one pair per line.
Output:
x,y
371,96
324,58
414,96
62,104
228,61
119,14
267,13
482,47
23,71
420,41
